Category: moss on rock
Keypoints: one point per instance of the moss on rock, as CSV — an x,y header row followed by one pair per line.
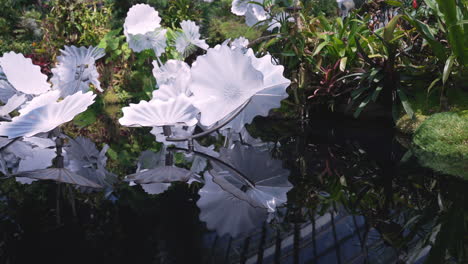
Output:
x,y
441,143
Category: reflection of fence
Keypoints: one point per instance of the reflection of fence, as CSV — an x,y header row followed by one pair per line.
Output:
x,y
331,238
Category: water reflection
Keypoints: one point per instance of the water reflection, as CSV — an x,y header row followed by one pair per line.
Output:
x,y
355,200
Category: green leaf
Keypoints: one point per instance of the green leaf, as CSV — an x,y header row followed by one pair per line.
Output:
x,y
343,64
429,89
85,119
394,3
447,69
288,54
362,106
455,30
405,102
390,28
376,93
319,47
112,154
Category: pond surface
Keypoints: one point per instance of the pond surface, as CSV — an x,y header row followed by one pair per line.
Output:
x,y
358,197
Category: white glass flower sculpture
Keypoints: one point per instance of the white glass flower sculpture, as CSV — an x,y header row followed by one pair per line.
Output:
x,y
47,117
222,81
171,72
76,70
225,212
172,78
267,181
268,97
6,90
12,104
23,76
253,12
240,43
187,40
175,111
143,30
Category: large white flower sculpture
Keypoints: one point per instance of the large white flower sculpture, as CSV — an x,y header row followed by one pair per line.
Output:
x,y
143,30
24,76
225,209
47,117
187,40
76,70
175,111
222,81
268,97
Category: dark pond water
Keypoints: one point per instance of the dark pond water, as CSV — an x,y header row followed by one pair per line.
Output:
x,y
358,197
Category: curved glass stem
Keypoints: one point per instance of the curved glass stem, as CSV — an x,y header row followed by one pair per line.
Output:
x,y
211,130
240,174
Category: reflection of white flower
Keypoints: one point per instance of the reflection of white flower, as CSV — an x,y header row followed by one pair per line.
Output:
x,y
175,111
26,154
215,199
84,159
142,29
189,38
154,176
76,70
176,131
223,80
47,117
267,174
268,97
245,138
23,75
60,175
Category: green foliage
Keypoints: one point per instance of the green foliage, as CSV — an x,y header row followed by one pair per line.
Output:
x,y
19,26
222,29
79,23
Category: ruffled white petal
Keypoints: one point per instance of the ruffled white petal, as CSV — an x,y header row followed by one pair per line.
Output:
x,y
155,40
47,117
269,97
76,70
189,37
172,72
23,75
223,80
141,18
41,100
175,111
13,103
